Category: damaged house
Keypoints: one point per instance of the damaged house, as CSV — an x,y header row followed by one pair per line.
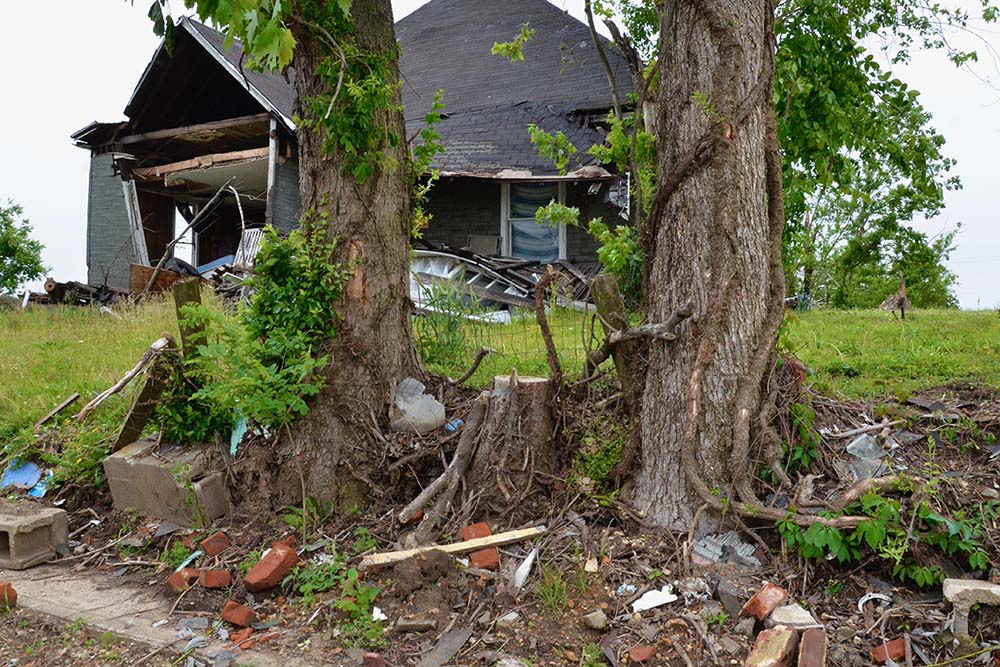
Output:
x,y
198,120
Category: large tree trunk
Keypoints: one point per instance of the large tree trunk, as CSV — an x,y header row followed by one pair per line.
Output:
x,y
714,238
331,451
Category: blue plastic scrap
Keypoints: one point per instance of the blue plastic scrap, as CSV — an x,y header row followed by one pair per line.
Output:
x,y
453,425
239,430
21,475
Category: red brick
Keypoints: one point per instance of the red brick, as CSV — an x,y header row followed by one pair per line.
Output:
x,y
893,650
272,568
485,559
763,603
290,540
374,660
215,578
476,531
812,648
8,596
190,540
215,544
240,636
179,581
774,648
237,614
640,654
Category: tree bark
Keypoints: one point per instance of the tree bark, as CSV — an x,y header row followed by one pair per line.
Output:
x,y
714,239
330,452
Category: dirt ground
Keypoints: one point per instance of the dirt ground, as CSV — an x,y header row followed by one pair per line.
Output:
x,y
28,639
595,557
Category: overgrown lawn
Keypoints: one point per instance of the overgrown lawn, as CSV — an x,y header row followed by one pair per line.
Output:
x,y
865,353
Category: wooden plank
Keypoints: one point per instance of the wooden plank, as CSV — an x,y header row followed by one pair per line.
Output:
x,y
136,232
139,276
56,410
185,292
200,162
479,292
215,125
498,540
144,406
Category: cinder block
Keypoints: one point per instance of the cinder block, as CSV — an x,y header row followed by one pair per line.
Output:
x,y
176,485
30,534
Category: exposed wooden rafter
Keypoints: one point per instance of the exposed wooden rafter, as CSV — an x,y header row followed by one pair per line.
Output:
x,y
200,162
213,126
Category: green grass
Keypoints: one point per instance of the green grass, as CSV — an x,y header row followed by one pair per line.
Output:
x,y
862,354
518,345
47,354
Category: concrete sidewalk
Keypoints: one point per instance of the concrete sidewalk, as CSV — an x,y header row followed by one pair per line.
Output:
x,y
127,610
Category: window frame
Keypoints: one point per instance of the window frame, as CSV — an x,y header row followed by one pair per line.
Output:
x,y
505,219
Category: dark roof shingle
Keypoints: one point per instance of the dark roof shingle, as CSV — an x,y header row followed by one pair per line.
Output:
x,y
446,46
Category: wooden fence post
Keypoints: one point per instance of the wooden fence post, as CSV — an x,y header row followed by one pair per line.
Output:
x,y
614,317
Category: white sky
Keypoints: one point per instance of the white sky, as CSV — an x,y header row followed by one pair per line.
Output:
x,y
65,63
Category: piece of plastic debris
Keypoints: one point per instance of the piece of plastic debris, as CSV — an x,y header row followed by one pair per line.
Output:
x,y
266,625
420,412
22,476
626,589
166,528
38,490
868,597
190,559
453,425
222,658
222,634
591,565
654,598
726,548
196,623
196,642
523,570
856,471
377,615
159,624
865,447
239,430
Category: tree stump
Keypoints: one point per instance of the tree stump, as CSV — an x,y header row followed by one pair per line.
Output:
x,y
516,442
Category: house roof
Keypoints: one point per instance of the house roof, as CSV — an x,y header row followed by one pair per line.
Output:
x,y
486,142
275,91
446,46
489,101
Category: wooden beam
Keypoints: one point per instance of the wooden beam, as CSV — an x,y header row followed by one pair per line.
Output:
x,y
214,126
56,410
390,557
200,162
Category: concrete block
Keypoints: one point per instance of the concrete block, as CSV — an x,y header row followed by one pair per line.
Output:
x,y
30,534
176,485
792,615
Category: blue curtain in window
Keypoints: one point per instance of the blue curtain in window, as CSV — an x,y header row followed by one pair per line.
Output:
x,y
528,239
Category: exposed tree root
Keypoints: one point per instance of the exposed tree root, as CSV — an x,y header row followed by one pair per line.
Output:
x,y
480,355
445,486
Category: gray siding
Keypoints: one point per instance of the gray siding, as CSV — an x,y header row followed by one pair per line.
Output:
x,y
109,247
285,203
462,207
